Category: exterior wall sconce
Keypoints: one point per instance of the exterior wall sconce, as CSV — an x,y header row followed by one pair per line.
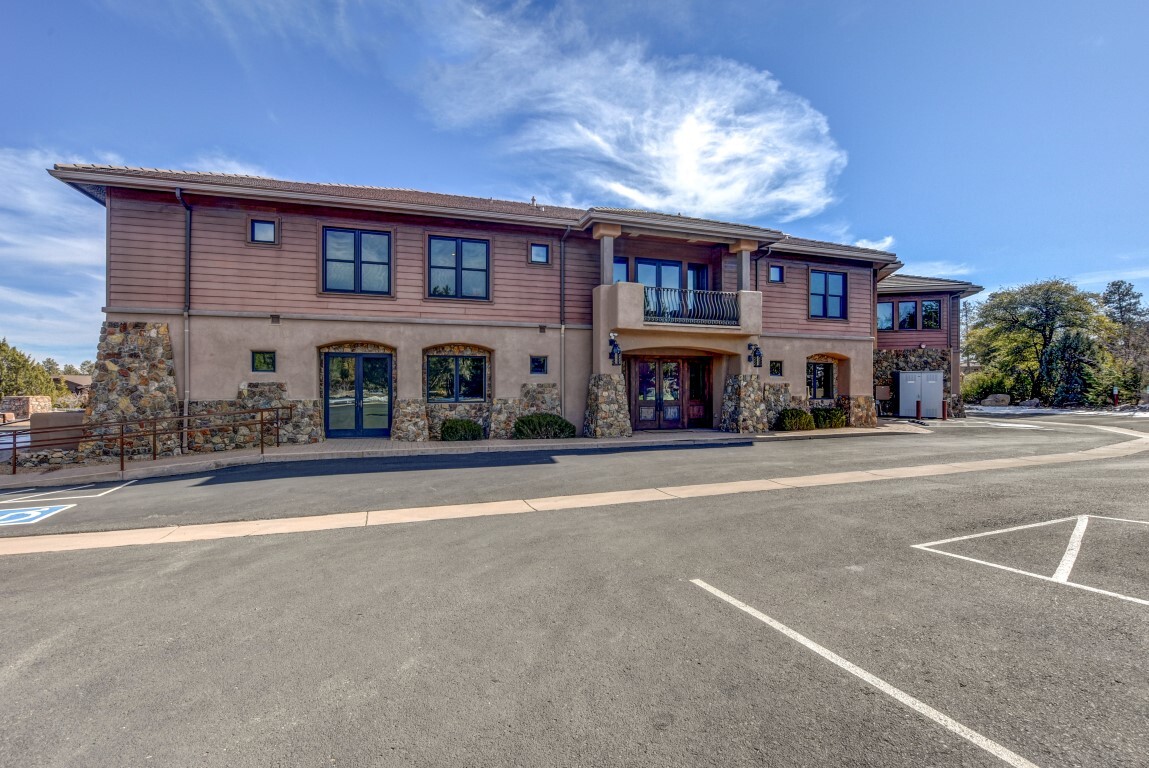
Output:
x,y
755,355
615,351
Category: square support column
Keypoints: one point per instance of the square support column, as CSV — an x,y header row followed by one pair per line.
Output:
x,y
742,249
605,234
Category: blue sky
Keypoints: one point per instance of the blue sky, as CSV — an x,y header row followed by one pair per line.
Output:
x,y
997,142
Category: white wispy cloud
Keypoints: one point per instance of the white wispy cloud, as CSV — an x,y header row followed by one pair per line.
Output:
x,y
218,161
578,106
937,268
885,244
703,136
1132,274
51,256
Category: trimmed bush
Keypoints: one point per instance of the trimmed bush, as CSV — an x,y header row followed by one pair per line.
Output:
x,y
829,418
794,420
542,426
461,429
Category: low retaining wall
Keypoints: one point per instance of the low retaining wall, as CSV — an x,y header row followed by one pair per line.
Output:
x,y
23,406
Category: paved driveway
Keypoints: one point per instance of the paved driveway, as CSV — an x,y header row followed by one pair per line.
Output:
x,y
578,636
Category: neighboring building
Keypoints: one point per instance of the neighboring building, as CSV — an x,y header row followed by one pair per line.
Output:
x,y
918,328
78,384
383,311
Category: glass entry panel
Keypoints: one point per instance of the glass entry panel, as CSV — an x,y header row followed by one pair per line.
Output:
x,y
661,390
357,394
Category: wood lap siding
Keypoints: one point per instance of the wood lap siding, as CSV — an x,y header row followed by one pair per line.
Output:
x,y
228,274
938,339
786,305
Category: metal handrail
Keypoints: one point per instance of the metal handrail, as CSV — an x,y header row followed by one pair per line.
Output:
x,y
683,306
130,434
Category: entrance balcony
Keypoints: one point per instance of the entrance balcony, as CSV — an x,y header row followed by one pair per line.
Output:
x,y
636,307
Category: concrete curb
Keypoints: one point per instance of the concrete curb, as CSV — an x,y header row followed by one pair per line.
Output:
x,y
162,468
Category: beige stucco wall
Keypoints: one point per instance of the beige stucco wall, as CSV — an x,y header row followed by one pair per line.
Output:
x,y
856,354
221,350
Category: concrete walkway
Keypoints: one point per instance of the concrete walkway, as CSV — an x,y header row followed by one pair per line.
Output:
x,y
142,468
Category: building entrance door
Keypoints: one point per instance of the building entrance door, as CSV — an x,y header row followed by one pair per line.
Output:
x,y
356,394
669,393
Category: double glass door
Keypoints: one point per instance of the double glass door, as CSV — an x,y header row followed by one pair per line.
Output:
x,y
670,393
357,394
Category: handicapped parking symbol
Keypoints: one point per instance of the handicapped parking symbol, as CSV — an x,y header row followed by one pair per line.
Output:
x,y
30,514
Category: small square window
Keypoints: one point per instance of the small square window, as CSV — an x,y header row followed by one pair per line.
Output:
x,y
540,254
776,273
775,367
262,231
538,364
263,362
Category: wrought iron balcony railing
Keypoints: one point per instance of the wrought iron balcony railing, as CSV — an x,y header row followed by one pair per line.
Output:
x,y
682,306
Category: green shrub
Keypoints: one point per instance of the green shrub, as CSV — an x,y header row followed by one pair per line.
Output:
x,y
461,429
828,418
979,385
542,426
794,420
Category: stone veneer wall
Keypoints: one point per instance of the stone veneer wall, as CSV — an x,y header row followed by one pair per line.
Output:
x,y
607,413
409,421
887,362
533,398
305,425
23,406
748,405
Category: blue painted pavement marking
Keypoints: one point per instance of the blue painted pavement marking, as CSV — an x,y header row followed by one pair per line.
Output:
x,y
30,514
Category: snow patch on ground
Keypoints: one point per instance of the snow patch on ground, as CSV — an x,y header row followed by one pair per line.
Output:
x,y
1007,410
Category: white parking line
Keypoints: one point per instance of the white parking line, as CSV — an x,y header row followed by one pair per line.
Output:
x,y
1070,556
18,490
38,496
947,722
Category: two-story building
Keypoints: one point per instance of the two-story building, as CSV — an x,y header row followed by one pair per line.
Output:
x,y
380,312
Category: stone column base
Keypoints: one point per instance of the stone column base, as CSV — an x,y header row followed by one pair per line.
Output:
x,y
409,421
607,414
861,410
743,404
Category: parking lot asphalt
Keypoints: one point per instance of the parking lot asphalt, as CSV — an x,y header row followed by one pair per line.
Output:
x,y
269,491
577,637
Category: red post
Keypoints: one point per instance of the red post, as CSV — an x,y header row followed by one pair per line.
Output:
x,y
261,432
919,410
121,446
945,410
153,439
1115,397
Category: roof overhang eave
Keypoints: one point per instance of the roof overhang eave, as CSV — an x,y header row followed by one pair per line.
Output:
x,y
76,179
838,252
687,228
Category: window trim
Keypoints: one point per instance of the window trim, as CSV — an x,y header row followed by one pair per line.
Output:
x,y
357,261
458,296
531,365
275,221
455,362
531,255
922,315
893,316
845,316
274,360
898,316
770,273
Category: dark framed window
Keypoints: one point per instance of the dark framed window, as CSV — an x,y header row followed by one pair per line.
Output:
x,y
460,268
621,269
820,381
538,364
356,261
931,315
540,253
777,273
263,362
885,315
775,367
828,294
264,231
697,277
907,315
456,378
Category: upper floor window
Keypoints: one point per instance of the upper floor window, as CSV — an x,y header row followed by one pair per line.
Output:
x,y
828,294
540,253
621,267
263,231
885,315
931,315
777,273
356,261
907,315
459,268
